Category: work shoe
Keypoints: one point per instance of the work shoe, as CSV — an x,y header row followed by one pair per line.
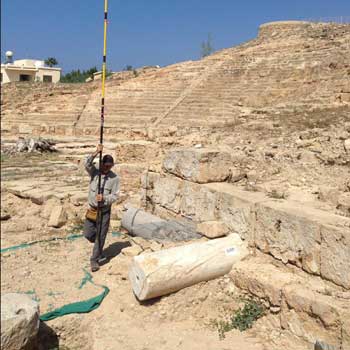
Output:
x,y
94,266
102,260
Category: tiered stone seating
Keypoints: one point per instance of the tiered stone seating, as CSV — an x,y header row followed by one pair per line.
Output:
x,y
302,69
290,68
140,101
45,108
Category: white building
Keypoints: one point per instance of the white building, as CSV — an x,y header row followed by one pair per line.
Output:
x,y
28,70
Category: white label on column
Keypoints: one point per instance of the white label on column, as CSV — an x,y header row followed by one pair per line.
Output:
x,y
230,251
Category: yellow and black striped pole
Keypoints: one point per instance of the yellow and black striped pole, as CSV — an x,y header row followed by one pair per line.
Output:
x,y
104,63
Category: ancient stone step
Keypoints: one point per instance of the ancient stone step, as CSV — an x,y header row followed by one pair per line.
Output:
x,y
309,308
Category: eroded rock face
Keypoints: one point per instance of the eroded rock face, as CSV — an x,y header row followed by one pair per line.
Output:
x,y
19,322
201,165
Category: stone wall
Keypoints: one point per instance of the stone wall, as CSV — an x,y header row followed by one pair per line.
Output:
x,y
314,240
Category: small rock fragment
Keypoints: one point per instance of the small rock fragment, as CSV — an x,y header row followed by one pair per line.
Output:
x,y
132,251
213,229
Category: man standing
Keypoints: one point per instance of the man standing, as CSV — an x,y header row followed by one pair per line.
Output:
x,y
109,194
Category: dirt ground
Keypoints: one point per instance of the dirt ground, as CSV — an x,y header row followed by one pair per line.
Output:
x,y
52,272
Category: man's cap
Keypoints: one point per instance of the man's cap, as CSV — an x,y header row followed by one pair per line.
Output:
x,y
107,159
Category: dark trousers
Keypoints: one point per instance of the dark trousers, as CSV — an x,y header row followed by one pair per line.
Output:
x,y
90,232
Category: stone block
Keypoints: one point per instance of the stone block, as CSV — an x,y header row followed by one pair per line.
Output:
x,y
309,308
19,322
201,165
261,279
335,254
48,206
236,207
312,316
58,217
148,178
168,192
213,229
198,202
38,196
20,190
290,232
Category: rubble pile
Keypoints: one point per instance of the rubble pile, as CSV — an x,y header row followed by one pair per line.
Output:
x,y
30,145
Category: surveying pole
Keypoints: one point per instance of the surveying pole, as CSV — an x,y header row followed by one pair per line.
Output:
x,y
104,62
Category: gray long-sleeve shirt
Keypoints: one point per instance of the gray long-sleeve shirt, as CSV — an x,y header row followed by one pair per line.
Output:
x,y
109,183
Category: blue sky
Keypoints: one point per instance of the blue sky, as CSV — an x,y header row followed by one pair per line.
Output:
x,y
142,32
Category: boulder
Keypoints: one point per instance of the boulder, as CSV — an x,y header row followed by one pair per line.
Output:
x,y
213,229
19,322
58,217
200,165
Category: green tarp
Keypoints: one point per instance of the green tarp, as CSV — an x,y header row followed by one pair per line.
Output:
x,y
84,306
79,307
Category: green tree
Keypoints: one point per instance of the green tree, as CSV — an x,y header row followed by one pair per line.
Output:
x,y
78,76
207,46
128,67
51,62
